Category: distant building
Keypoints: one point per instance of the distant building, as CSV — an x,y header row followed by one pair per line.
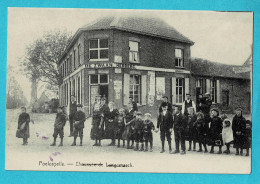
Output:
x,y
142,57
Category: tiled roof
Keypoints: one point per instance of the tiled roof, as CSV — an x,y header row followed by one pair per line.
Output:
x,y
152,26
213,69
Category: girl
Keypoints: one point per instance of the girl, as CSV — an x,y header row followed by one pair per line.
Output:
x,y
191,128
23,126
227,134
110,122
147,131
120,126
129,134
203,130
97,125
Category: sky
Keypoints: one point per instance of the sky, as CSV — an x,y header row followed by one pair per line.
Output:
x,y
224,37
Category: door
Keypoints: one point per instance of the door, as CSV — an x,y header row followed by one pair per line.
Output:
x,y
103,91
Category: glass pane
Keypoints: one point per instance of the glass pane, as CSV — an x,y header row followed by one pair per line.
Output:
x,y
103,79
133,46
135,56
178,53
130,56
104,53
137,81
131,79
93,54
93,79
104,43
93,44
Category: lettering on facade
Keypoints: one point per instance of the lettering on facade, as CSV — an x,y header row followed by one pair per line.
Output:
x,y
110,65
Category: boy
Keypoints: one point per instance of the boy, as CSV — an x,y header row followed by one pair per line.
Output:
x,y
137,126
179,124
79,119
23,126
130,113
147,131
59,124
202,129
165,123
120,126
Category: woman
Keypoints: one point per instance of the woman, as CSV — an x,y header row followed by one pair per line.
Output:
x,y
110,123
191,131
23,126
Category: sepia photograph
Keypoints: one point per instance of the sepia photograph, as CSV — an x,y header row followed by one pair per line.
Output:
x,y
120,90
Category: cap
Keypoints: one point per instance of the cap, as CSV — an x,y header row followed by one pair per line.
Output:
x,y
79,105
164,104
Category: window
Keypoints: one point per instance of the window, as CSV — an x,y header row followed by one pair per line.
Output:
x,y
79,53
179,90
133,52
70,62
213,91
179,58
74,59
61,71
74,88
79,87
99,79
199,85
135,88
98,49
65,67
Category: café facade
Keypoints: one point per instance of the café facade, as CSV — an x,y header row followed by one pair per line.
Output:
x,y
122,56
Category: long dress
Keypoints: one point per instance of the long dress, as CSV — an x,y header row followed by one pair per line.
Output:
x,y
23,126
215,131
128,132
96,132
110,124
239,131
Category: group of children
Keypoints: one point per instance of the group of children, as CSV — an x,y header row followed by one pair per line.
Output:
x,y
127,125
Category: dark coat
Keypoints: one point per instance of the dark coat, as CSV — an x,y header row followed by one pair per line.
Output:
x,y
110,118
179,122
60,120
23,118
129,133
203,130
79,118
239,131
191,131
169,107
135,106
165,122
73,109
96,132
200,101
216,129
205,108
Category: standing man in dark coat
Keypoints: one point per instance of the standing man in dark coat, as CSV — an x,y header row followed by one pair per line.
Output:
x,y
23,126
205,107
131,100
239,130
179,125
165,124
169,105
199,103
78,119
72,111
59,124
188,103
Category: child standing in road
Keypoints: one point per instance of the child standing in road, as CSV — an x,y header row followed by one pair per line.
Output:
x,y
147,131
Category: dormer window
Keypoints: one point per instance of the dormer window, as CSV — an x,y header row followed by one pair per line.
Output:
x,y
179,61
133,52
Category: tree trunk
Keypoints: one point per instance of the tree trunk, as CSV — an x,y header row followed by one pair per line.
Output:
x,y
34,88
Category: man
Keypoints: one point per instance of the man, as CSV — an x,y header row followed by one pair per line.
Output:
x,y
165,124
79,119
179,124
72,111
169,105
131,100
59,124
200,101
188,103
206,107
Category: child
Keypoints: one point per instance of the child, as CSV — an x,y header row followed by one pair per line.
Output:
x,y
130,115
239,128
59,124
23,126
165,124
191,128
215,131
97,124
147,131
137,126
202,129
179,124
79,119
248,136
120,126
227,134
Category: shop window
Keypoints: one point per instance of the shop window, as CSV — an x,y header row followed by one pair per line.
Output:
x,y
133,52
213,91
180,90
94,79
135,88
179,62
98,49
99,79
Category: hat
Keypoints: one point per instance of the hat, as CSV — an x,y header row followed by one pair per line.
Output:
x,y
207,93
188,94
79,105
138,113
239,109
164,104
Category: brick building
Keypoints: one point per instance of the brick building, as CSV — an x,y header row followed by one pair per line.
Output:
x,y
142,57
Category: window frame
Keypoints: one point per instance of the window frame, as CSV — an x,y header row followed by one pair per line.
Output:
x,y
133,87
213,89
99,49
98,83
132,52
79,54
177,90
180,59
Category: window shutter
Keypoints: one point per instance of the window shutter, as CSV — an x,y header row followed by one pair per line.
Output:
x,y
126,88
208,90
218,91
173,90
144,87
187,86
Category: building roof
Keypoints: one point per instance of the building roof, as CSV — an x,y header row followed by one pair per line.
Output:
x,y
152,26
204,67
